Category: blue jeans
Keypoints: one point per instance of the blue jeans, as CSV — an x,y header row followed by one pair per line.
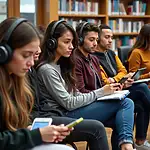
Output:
x,y
112,113
140,94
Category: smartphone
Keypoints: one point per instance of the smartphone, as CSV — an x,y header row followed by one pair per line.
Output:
x,y
122,80
72,124
138,73
41,122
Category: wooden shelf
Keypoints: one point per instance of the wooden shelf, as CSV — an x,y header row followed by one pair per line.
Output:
x,y
125,33
129,16
81,16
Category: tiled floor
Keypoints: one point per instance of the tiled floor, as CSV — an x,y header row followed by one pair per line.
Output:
x,y
82,145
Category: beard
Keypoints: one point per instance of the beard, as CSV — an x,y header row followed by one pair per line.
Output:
x,y
105,47
88,49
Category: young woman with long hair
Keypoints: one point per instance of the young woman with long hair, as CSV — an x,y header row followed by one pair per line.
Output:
x,y
57,83
19,42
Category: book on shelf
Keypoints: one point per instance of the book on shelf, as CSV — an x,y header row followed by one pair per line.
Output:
x,y
117,95
122,10
78,7
135,7
123,41
123,26
74,22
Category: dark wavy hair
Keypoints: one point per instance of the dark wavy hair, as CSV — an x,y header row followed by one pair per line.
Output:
x,y
67,65
143,39
87,28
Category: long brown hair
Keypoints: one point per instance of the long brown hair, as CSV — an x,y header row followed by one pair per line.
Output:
x,y
48,54
143,39
15,92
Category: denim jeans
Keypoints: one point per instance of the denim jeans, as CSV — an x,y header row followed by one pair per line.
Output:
x,y
140,94
92,131
112,113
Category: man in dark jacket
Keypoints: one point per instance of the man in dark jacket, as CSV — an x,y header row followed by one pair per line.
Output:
x,y
139,93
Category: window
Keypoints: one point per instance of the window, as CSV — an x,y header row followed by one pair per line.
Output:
x,y
28,10
3,10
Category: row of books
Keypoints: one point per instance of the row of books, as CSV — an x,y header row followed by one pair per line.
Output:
x,y
75,22
78,7
136,7
122,41
120,25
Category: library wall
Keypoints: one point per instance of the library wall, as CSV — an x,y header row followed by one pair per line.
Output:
x,y
125,17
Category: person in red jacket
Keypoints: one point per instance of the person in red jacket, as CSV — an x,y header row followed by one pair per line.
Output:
x,y
88,78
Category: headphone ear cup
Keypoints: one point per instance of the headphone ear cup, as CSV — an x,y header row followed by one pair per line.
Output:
x,y
80,41
52,43
5,53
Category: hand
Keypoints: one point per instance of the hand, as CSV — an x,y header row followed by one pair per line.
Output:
x,y
109,89
54,133
29,127
128,83
130,74
111,80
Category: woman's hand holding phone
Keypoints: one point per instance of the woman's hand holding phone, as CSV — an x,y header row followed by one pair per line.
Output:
x,y
54,133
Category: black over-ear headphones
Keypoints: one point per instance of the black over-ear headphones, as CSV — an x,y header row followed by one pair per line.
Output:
x,y
5,50
52,42
81,39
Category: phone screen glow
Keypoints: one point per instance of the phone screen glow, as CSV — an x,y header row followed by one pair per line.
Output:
x,y
40,125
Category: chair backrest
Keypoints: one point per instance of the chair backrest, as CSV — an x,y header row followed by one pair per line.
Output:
x,y
123,54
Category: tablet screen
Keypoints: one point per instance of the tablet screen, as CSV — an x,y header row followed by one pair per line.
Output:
x,y
40,125
138,73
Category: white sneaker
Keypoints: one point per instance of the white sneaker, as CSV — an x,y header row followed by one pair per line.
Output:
x,y
145,146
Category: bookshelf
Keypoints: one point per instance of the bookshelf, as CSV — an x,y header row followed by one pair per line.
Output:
x,y
125,17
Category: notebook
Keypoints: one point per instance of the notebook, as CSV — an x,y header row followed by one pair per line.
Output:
x,y
142,81
118,95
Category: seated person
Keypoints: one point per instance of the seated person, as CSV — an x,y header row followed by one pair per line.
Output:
x,y
88,130
55,71
140,52
115,70
19,42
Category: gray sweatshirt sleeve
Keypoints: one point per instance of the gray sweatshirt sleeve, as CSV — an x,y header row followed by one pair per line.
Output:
x,y
54,85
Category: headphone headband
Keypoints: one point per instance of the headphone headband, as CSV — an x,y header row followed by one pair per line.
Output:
x,y
12,28
80,36
81,30
6,51
54,27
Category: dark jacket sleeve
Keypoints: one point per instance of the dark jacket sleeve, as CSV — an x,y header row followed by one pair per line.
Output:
x,y
21,139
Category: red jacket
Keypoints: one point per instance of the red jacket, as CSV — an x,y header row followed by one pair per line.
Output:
x,y
88,72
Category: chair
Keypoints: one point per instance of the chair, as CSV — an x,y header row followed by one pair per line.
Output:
x,y
123,55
